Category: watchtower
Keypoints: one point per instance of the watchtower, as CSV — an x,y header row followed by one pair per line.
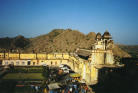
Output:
x,y
102,49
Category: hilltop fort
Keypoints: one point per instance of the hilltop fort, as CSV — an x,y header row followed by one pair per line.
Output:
x,y
86,62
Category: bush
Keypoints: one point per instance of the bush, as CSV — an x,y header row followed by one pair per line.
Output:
x,y
46,71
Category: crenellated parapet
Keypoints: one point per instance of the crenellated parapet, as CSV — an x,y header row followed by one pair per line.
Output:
x,y
33,56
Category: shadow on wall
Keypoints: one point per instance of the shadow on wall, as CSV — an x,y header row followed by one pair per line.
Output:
x,y
118,80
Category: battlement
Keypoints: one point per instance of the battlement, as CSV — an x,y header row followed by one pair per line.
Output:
x,y
32,56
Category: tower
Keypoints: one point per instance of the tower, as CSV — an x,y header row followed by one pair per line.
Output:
x,y
107,40
102,49
103,42
99,43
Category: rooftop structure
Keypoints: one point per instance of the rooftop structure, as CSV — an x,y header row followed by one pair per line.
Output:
x,y
106,35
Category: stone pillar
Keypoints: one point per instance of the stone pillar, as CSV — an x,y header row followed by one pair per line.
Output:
x,y
94,73
109,57
84,71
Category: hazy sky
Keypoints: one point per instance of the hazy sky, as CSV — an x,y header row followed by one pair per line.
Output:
x,y
35,17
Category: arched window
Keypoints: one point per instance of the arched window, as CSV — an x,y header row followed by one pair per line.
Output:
x,y
17,63
23,63
12,63
56,63
33,63
37,63
6,63
29,62
0,62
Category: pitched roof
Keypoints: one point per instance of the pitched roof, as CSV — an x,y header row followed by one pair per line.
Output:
x,y
83,52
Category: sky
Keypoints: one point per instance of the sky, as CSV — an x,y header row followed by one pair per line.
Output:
x,y
36,17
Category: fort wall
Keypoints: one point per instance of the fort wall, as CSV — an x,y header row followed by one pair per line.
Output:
x,y
101,55
86,68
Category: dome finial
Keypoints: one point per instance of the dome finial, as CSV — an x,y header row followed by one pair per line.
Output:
x,y
106,30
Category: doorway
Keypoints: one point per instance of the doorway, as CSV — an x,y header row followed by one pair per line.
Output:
x,y
29,62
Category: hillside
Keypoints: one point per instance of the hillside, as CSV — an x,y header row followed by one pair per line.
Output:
x,y
61,41
58,40
131,49
9,44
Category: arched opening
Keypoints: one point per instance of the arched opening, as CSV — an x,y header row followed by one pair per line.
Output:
x,y
29,62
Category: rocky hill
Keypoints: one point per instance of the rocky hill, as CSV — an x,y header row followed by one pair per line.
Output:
x,y
58,40
131,49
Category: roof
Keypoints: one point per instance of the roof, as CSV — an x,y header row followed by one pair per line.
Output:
x,y
106,35
98,36
83,52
